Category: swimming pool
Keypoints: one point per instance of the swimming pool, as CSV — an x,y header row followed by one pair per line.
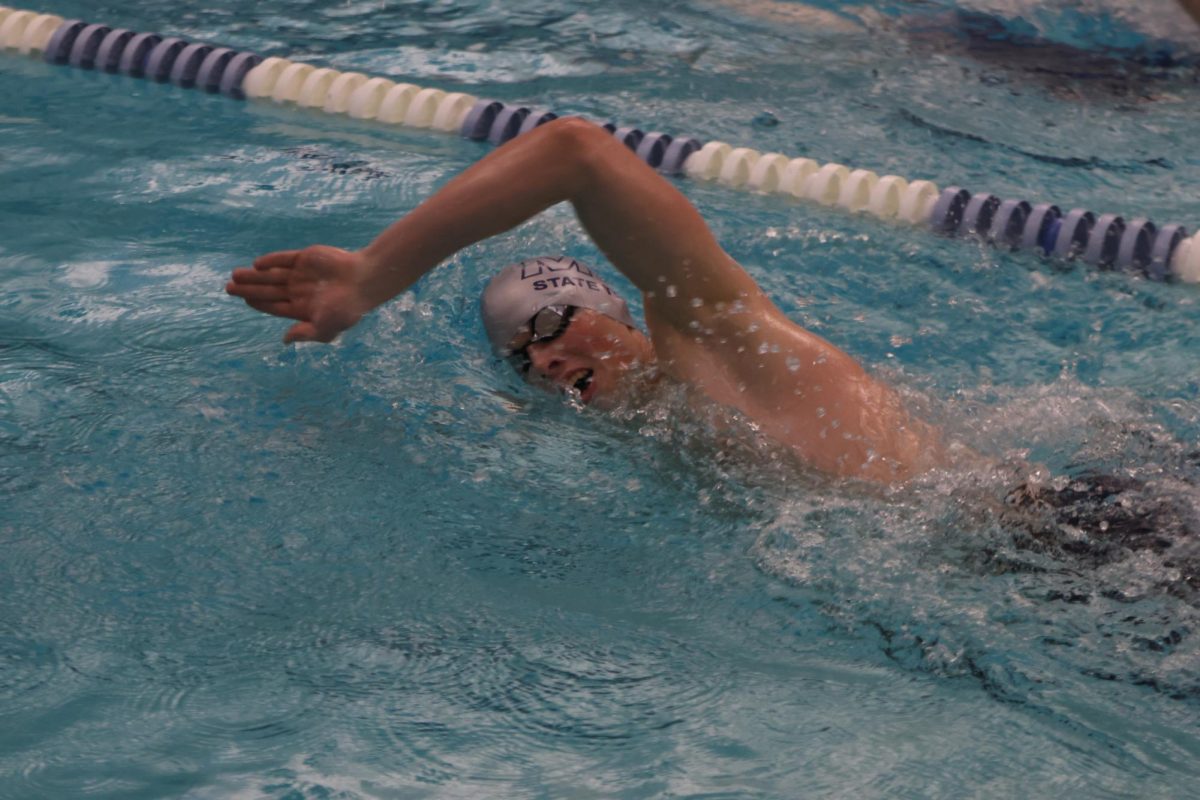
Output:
x,y
385,569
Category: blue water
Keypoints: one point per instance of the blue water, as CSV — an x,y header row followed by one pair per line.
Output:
x,y
386,569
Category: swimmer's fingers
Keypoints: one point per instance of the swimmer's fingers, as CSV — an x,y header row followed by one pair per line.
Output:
x,y
247,275
282,259
260,292
278,308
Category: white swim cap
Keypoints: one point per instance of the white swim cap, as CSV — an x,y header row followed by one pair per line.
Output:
x,y
520,290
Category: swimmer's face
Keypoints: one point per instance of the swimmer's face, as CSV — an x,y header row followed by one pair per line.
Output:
x,y
594,356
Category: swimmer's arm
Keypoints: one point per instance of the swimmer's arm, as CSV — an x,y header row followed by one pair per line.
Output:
x,y
645,227
643,224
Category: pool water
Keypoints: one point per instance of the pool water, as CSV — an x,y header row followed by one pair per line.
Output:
x,y
384,568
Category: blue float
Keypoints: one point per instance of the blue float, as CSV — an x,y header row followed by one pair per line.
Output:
x,y
677,153
1103,240
507,123
629,136
479,119
653,147
1168,238
977,216
1042,218
1073,233
235,73
86,45
108,55
212,68
948,210
136,53
187,64
1133,251
535,119
162,59
58,49
1009,223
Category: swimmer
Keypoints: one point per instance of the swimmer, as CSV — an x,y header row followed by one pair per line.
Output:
x,y
710,325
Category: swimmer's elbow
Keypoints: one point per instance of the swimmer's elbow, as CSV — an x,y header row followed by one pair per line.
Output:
x,y
586,147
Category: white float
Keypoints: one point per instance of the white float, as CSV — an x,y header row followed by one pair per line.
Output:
x,y
856,190
395,103
916,204
260,81
706,163
1185,261
38,32
825,185
316,87
422,108
795,174
337,99
767,172
885,196
735,171
365,102
291,81
13,28
451,111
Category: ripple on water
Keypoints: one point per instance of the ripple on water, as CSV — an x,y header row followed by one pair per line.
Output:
x,y
513,703
241,710
227,703
30,668
163,326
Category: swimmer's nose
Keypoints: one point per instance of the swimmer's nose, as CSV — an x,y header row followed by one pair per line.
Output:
x,y
544,361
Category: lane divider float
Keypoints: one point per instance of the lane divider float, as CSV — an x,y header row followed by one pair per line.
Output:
x,y
1105,241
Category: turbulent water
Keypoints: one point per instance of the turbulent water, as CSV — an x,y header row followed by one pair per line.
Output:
x,y
386,568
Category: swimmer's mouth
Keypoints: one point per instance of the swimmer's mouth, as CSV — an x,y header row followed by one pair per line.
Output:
x,y
581,385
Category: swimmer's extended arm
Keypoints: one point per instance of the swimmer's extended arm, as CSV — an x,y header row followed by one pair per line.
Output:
x,y
711,325
646,228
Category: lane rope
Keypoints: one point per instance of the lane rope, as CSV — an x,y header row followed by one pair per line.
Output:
x,y
1105,241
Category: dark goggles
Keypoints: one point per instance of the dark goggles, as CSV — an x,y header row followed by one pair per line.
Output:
x,y
544,326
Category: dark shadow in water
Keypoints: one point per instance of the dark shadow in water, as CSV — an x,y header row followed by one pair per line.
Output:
x,y
1137,167
1097,519
1006,55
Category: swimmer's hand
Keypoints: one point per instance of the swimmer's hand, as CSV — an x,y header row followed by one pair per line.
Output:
x,y
319,287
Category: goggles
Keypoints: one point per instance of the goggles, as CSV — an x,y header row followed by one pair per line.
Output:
x,y
546,325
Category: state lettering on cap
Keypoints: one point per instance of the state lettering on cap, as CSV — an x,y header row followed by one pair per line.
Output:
x,y
539,266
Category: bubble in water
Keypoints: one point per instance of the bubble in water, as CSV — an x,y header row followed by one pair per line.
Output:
x,y
672,291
